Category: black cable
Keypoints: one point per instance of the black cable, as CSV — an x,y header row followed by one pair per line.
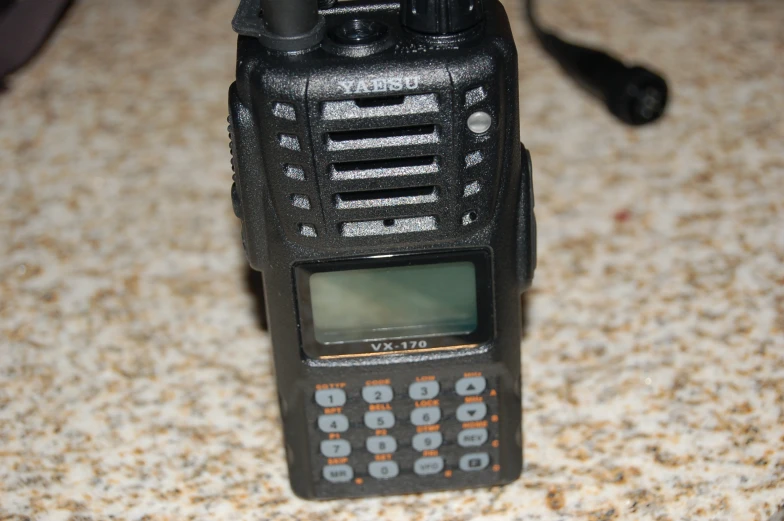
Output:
x,y
635,95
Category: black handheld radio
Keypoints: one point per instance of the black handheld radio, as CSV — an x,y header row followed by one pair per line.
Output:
x,y
386,199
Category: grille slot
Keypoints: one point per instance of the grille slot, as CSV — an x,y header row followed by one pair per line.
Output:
x,y
382,137
377,168
379,107
389,226
391,197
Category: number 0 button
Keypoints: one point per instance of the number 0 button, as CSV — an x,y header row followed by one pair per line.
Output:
x,y
379,420
383,469
426,416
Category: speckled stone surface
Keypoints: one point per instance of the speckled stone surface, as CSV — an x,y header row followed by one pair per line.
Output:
x,y
135,381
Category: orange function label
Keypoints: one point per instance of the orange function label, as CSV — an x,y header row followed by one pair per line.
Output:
x,y
333,410
475,373
380,407
336,385
475,425
428,428
474,399
426,403
425,378
385,381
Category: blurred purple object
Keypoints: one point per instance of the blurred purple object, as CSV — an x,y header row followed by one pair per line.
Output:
x,y
24,27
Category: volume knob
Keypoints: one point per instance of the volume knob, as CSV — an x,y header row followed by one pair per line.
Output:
x,y
441,17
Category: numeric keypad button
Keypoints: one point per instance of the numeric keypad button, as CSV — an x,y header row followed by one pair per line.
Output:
x,y
379,420
472,462
471,386
331,397
425,416
335,448
469,412
423,390
377,394
333,423
427,441
430,465
338,473
381,444
383,469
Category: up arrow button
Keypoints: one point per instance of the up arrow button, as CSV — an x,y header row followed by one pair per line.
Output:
x,y
471,386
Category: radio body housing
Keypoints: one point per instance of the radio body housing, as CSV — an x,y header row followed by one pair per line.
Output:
x,y
357,154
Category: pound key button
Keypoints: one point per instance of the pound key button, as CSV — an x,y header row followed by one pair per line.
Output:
x,y
331,397
476,461
471,386
430,465
338,473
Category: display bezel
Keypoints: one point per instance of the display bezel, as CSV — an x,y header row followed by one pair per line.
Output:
x,y
484,303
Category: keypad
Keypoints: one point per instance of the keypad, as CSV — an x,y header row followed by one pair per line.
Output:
x,y
423,390
333,423
383,469
427,441
392,427
377,394
379,420
425,416
381,444
335,448
331,397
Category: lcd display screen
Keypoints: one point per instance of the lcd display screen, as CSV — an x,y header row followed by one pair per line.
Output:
x,y
410,301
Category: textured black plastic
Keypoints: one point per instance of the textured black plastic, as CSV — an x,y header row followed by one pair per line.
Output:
x,y
441,17
307,127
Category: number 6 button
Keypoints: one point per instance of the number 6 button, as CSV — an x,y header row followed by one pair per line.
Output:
x,y
426,416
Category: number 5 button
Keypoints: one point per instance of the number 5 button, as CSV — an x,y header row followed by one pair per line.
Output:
x,y
379,420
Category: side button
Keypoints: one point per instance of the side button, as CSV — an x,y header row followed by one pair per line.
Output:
x,y
236,203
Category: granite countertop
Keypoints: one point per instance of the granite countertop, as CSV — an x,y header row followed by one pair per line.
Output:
x,y
135,380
